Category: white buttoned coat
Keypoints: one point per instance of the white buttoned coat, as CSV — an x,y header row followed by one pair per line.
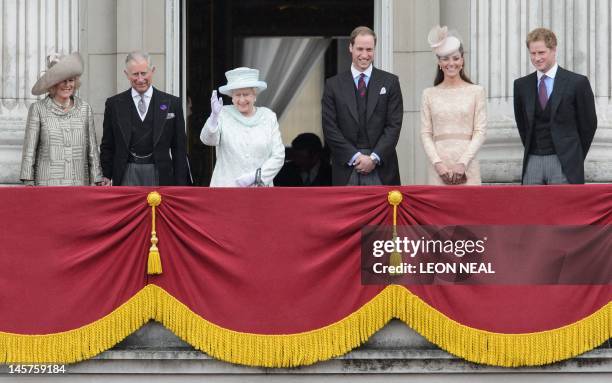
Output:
x,y
244,144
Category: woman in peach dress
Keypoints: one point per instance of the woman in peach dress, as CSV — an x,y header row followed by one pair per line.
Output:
x,y
453,116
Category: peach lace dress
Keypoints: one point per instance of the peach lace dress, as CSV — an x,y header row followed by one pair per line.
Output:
x,y
453,128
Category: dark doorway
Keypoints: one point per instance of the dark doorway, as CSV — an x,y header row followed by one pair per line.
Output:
x,y
215,29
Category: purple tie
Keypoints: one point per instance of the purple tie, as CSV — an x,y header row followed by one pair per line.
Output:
x,y
542,92
361,85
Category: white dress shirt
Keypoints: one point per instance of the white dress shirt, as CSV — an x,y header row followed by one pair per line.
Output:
x,y
550,79
356,73
147,98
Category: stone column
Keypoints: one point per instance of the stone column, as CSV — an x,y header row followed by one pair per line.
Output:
x,y
383,26
148,32
499,56
415,65
29,30
111,29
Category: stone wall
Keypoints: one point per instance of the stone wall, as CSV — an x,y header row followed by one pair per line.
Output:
x,y
29,30
102,31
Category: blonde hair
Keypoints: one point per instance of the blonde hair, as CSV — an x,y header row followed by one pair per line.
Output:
x,y
542,34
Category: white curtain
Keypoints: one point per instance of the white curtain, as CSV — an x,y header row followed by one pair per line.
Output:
x,y
284,63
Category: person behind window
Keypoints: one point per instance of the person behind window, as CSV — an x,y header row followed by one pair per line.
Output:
x,y
309,167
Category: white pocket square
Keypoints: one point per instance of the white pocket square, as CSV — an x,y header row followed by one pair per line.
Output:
x,y
383,90
170,116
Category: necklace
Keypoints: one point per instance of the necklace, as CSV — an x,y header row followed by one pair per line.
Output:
x,y
64,106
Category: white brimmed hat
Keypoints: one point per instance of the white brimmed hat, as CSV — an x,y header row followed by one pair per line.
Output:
x,y
441,43
59,68
240,78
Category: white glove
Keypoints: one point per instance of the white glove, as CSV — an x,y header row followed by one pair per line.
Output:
x,y
245,180
216,104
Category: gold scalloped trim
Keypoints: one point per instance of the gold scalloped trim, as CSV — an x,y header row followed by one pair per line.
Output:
x,y
291,350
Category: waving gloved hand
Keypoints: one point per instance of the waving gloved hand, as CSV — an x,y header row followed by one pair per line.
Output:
x,y
216,104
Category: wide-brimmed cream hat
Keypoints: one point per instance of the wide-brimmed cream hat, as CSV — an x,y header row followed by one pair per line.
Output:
x,y
59,68
441,43
240,78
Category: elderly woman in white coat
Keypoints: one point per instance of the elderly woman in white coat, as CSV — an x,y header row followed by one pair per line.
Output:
x,y
250,151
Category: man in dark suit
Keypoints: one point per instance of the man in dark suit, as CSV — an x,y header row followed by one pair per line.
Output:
x,y
555,116
362,118
143,141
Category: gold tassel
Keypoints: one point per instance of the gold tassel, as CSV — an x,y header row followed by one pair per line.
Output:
x,y
154,262
154,265
395,259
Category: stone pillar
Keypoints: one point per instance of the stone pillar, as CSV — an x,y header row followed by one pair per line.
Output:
x,y
141,25
415,65
111,29
29,30
499,56
383,26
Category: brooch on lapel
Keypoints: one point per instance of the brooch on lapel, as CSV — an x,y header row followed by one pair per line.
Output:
x,y
163,107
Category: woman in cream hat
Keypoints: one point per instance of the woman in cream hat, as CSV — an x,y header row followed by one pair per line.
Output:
x,y
250,151
60,146
453,116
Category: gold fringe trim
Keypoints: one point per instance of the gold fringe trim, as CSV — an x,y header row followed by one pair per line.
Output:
x,y
291,350
508,350
81,343
276,350
500,349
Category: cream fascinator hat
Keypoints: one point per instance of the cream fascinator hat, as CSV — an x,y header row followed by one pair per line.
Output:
x,y
441,43
240,78
59,68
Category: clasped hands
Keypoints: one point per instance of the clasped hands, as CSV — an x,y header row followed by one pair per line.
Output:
x,y
451,175
364,164
105,182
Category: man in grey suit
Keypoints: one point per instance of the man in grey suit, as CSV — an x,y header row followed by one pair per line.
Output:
x,y
555,116
362,118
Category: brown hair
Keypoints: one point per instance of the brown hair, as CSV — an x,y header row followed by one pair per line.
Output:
x,y
542,34
440,74
362,31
